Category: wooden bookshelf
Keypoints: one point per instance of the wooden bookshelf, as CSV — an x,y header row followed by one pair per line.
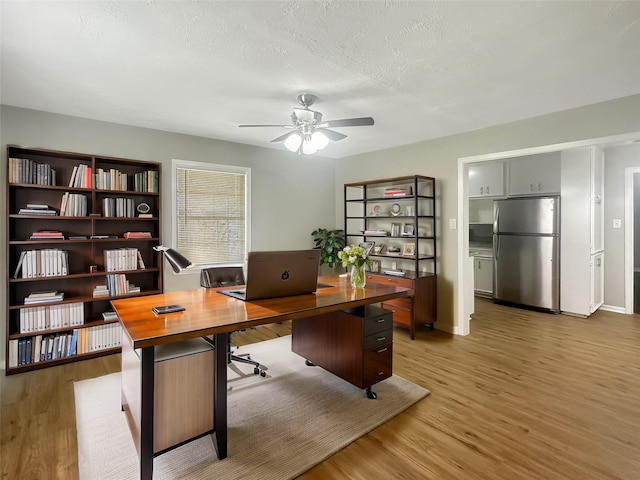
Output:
x,y
39,181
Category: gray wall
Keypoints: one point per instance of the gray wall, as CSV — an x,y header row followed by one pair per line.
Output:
x,y
438,158
291,195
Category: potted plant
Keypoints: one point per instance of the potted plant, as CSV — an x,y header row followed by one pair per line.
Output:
x,y
331,242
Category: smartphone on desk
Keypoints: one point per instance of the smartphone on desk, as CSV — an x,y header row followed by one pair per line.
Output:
x,y
162,309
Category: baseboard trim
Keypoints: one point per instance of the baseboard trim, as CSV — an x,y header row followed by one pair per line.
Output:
x,y
611,308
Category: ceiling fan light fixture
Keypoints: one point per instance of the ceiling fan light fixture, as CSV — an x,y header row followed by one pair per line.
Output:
x,y
293,141
319,140
308,148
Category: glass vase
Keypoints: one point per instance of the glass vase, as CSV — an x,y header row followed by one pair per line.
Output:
x,y
358,276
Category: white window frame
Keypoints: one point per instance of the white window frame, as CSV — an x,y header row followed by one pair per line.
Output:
x,y
210,167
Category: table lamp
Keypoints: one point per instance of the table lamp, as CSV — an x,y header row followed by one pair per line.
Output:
x,y
177,261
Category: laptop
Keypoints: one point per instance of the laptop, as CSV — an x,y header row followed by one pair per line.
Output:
x,y
278,274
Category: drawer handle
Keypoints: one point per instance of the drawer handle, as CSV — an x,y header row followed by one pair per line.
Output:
x,y
380,339
381,320
382,350
380,374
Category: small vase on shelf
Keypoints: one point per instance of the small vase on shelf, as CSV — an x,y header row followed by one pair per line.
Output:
x,y
358,276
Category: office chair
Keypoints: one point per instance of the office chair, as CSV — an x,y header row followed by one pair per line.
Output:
x,y
224,277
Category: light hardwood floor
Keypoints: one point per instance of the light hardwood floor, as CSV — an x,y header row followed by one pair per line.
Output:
x,y
525,396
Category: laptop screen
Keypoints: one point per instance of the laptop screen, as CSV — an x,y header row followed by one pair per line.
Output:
x,y
279,274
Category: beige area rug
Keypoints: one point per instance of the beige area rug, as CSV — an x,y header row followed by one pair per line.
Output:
x,y
279,426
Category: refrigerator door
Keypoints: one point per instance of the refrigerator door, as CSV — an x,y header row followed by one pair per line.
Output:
x,y
527,216
527,270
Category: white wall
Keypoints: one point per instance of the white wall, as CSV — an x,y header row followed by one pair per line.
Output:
x,y
616,160
438,158
291,195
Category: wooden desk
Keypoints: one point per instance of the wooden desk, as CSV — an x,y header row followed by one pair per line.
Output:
x,y
211,313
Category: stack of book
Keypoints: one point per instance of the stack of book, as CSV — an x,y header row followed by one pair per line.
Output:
x,y
137,235
49,262
73,205
395,192
100,291
397,273
44,297
376,233
146,181
117,284
109,316
122,259
47,317
36,209
47,235
118,207
25,170
81,177
111,179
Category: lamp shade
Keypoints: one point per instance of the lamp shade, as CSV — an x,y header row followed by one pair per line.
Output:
x,y
177,261
319,140
292,143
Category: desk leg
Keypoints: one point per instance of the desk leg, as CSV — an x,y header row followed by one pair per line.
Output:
x,y
220,395
146,414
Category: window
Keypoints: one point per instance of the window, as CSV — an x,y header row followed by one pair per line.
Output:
x,y
211,224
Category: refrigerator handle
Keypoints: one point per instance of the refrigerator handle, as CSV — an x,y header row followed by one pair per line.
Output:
x,y
496,237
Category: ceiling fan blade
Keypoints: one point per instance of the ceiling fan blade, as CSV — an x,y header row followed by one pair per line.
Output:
x,y
348,122
281,126
282,138
331,135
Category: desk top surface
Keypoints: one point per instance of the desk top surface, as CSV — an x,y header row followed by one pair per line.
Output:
x,y
209,312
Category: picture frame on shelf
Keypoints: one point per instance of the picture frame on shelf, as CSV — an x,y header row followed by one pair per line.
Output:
x,y
409,249
367,246
408,230
378,248
375,209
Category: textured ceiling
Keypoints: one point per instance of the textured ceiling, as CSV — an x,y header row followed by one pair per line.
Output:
x,y
422,69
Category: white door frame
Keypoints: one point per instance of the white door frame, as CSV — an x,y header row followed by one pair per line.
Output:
x,y
628,237
464,293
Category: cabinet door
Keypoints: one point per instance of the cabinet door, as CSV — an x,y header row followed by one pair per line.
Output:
x,y
486,180
483,275
535,174
494,179
597,282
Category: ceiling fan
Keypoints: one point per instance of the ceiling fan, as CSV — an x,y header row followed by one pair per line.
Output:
x,y
309,133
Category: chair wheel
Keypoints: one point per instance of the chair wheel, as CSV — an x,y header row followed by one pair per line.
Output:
x,y
263,373
256,370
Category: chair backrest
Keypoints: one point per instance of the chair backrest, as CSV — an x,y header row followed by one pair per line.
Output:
x,y
221,276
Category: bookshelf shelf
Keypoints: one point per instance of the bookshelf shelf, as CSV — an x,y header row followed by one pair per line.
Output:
x,y
398,213
31,172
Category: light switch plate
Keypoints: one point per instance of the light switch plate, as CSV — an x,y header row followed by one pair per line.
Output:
x,y
617,223
452,223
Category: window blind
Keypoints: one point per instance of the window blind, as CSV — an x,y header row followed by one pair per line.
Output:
x,y
211,215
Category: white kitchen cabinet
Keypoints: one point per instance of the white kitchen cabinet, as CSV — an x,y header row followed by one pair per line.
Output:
x,y
483,276
534,174
581,231
486,179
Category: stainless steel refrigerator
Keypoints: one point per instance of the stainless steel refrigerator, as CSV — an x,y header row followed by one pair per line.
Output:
x,y
526,250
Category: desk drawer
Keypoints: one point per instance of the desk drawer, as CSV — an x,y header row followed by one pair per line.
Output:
x,y
378,324
401,314
378,364
388,280
377,339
